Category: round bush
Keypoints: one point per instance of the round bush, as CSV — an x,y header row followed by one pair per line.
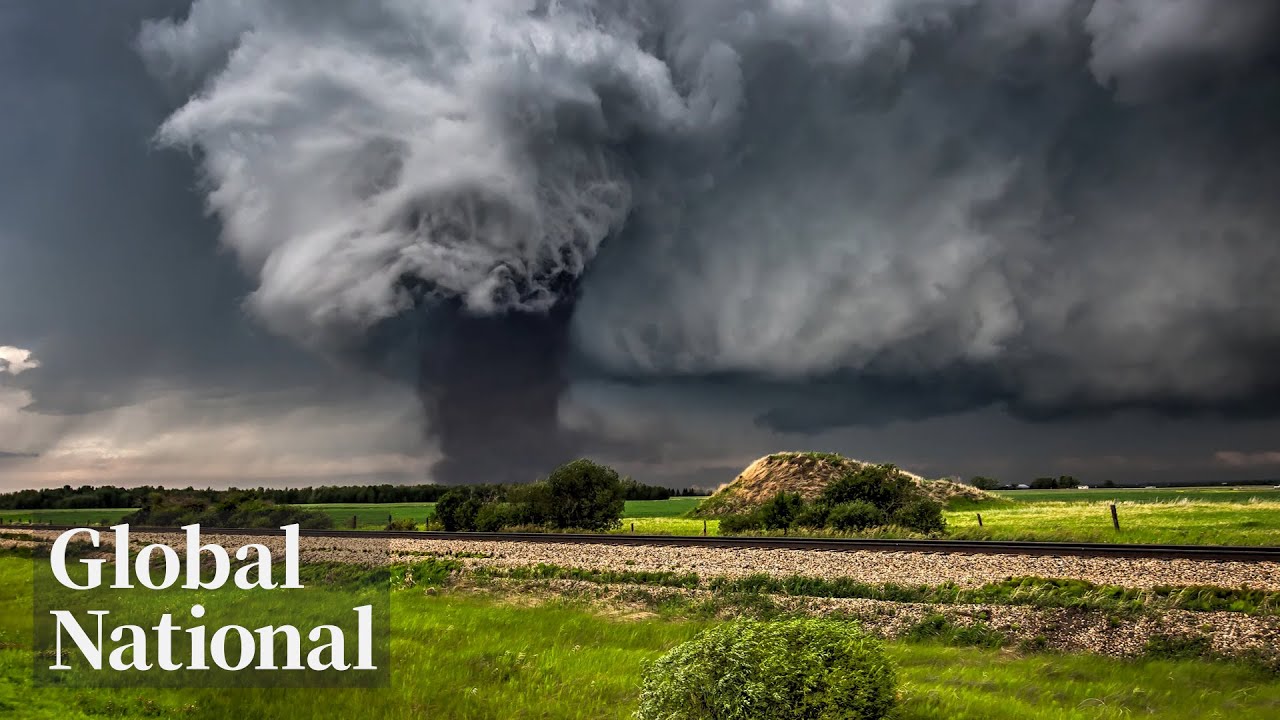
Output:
x,y
802,669
922,516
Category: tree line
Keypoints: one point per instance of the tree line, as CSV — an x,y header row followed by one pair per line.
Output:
x,y
108,496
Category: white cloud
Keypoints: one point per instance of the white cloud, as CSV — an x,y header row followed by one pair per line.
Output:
x,y
15,360
186,438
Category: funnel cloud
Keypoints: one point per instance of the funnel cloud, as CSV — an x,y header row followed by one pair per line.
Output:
x,y
812,214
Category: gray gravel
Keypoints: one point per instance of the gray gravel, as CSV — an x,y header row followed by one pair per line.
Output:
x,y
904,568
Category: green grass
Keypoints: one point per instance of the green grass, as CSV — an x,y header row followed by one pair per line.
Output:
x,y
658,517
476,657
372,516
1189,522
1204,494
101,516
1193,516
668,526
675,507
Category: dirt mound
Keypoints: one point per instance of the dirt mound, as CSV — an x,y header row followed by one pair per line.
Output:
x,y
808,473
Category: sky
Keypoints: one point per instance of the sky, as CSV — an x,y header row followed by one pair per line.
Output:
x,y
299,242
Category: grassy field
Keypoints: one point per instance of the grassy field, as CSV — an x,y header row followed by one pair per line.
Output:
x,y
650,516
1206,516
1199,494
102,516
675,507
1088,519
373,516
474,657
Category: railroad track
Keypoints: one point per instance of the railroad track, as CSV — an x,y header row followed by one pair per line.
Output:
x,y
974,547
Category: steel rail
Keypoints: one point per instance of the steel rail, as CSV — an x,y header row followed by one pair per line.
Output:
x,y
1219,553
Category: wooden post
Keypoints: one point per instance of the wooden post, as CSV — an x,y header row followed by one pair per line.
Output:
x,y
633,528
1115,519
353,522
388,518
704,528
979,519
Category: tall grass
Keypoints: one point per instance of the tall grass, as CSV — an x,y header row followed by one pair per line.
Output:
x,y
479,658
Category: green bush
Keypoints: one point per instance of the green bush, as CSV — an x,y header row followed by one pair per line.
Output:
x,y
735,524
582,495
403,524
232,510
814,515
781,511
805,668
495,516
922,515
884,486
855,516
457,509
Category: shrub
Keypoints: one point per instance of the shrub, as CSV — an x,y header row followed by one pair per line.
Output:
x,y
403,524
781,511
854,516
922,515
884,486
810,668
581,494
498,515
734,524
233,510
814,516
457,509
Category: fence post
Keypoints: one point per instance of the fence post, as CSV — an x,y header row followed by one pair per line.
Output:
x,y
704,528
979,519
353,522
633,528
1115,519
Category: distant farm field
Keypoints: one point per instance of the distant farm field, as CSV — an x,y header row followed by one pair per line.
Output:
x,y
373,516
1200,494
101,516
650,516
1193,516
1168,523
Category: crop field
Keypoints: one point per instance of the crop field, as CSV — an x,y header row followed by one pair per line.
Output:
x,y
479,656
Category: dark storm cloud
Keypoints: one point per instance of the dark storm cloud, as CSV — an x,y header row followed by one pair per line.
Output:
x,y
911,195
109,268
808,213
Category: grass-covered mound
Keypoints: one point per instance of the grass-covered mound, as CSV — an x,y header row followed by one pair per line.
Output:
x,y
807,474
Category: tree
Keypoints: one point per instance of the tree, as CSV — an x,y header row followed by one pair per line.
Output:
x,y
982,482
457,509
581,494
855,516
